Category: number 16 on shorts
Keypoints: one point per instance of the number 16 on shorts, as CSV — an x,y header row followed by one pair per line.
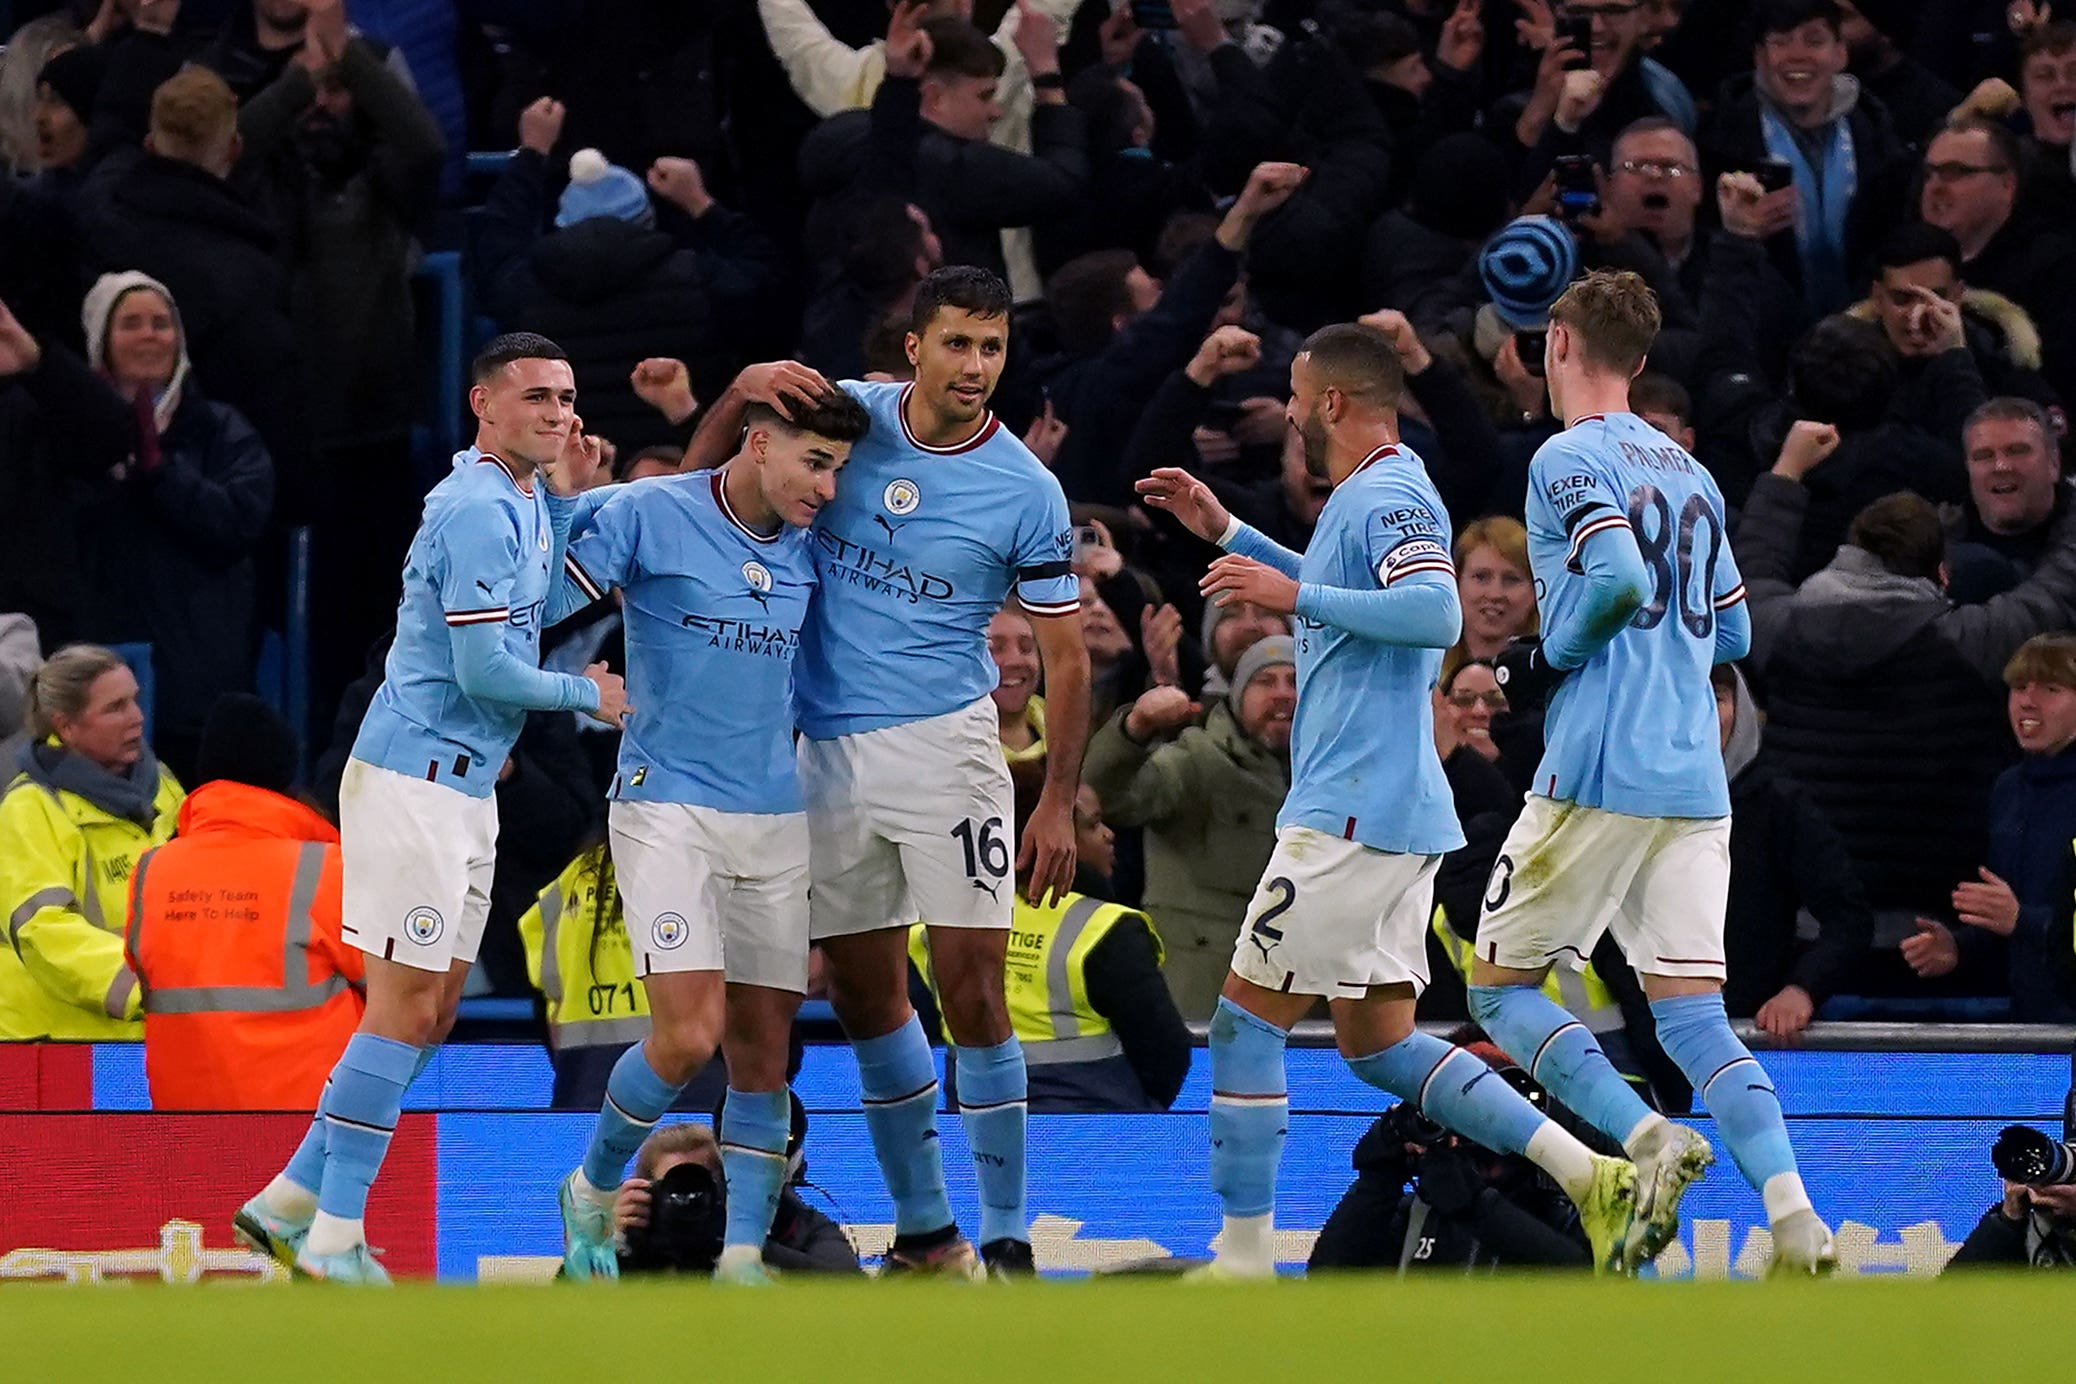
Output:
x,y
987,852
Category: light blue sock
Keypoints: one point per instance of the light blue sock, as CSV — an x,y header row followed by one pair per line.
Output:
x,y
992,1095
1695,1033
754,1128
635,1099
1450,1086
360,1114
1558,1051
900,1085
306,1165
1250,1109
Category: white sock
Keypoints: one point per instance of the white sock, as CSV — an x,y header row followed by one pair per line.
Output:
x,y
1563,1158
735,1256
334,1234
289,1201
1248,1245
1784,1196
1642,1141
601,1197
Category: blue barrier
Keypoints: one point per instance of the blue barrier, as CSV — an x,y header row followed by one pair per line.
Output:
x,y
1812,1085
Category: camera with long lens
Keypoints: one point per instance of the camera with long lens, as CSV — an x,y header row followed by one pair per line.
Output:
x,y
687,1215
2023,1154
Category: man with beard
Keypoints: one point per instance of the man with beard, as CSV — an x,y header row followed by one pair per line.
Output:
x,y
1342,909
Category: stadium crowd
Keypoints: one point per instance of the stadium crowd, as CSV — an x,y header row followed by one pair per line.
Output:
x,y
1856,217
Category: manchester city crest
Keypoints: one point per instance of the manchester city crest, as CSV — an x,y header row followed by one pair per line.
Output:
x,y
902,497
669,931
423,925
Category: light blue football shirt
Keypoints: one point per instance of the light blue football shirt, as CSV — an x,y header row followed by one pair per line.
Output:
x,y
713,611
915,555
481,557
1633,729
1362,759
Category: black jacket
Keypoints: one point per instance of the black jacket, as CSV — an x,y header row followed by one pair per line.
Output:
x,y
1996,1243
1461,1212
1786,857
1883,697
1733,140
1099,395
221,262
346,234
2032,261
610,293
166,554
971,189
2032,827
1742,419
802,1240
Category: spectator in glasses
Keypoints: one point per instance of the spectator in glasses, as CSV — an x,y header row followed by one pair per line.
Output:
x,y
1971,188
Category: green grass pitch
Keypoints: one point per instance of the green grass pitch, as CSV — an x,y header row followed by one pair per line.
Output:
x,y
1442,1328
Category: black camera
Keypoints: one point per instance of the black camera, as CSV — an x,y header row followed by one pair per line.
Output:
x,y
1408,1126
687,1215
2022,1154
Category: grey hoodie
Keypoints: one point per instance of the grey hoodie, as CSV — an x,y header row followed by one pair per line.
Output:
x,y
1855,613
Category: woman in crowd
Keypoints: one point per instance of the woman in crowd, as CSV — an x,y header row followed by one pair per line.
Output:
x,y
90,798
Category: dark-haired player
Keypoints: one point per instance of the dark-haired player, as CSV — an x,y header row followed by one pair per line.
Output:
x,y
715,570
941,512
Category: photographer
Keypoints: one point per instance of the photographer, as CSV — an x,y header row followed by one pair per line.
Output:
x,y
1424,1198
2035,1222
670,1214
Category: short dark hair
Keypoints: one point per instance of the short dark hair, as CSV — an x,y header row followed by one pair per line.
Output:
x,y
510,346
2001,139
1359,361
882,244
1086,294
836,416
1780,16
1652,392
958,49
1097,94
1182,235
2057,37
2009,408
1843,372
1915,242
966,287
884,349
625,462
1903,533
1368,38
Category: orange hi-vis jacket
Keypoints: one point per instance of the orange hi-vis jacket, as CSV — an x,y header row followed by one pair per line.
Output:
x,y
249,992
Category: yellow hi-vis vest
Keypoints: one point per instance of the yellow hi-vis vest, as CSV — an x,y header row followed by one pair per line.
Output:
x,y
1583,993
1046,979
578,957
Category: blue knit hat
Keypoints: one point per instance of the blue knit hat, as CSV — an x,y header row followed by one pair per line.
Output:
x,y
598,188
1527,267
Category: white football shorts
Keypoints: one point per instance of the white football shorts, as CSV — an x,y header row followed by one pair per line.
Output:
x,y
418,857
1568,873
1334,917
705,890
910,823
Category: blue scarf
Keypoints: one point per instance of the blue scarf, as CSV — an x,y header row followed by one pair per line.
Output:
x,y
1669,94
1824,202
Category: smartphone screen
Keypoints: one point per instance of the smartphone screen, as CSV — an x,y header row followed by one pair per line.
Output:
x,y
1579,29
1153,14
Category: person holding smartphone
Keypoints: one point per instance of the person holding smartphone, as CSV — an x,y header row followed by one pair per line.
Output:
x,y
1799,121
